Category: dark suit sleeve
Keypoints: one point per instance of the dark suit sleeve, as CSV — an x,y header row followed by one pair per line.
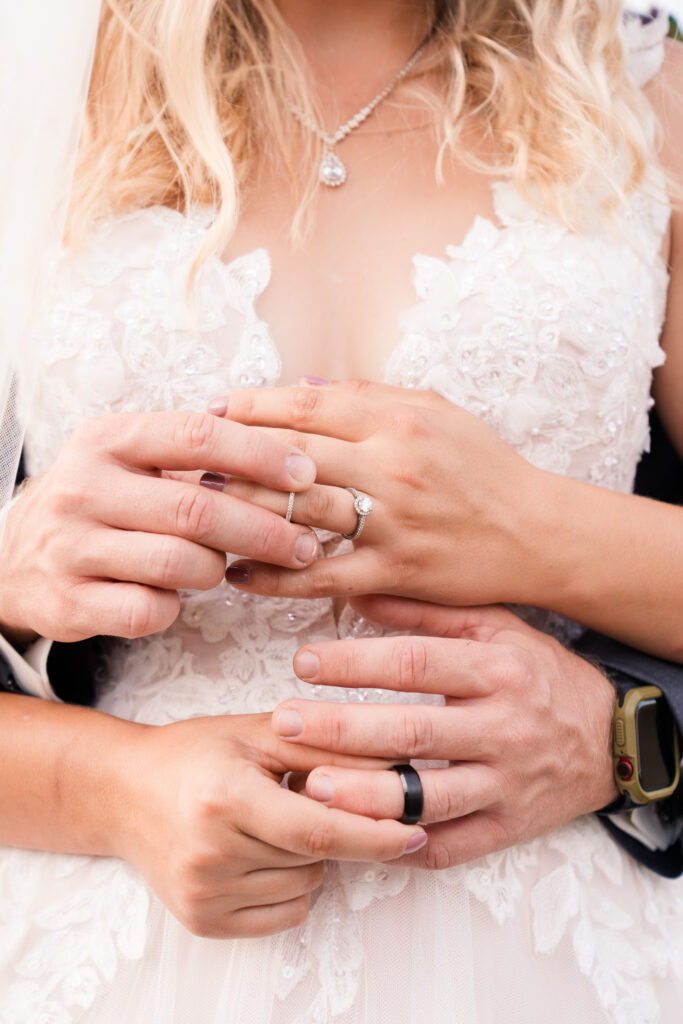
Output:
x,y
668,676
71,669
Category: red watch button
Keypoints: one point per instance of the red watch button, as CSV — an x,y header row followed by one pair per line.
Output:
x,y
624,769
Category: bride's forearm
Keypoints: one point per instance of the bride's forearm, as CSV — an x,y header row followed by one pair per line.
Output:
x,y
68,776
611,561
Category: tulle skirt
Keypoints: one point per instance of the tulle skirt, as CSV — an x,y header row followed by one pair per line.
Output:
x,y
565,929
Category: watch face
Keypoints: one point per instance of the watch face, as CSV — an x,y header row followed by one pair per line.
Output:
x,y
654,730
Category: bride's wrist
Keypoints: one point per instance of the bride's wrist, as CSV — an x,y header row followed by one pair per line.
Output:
x,y
560,547
100,781
543,511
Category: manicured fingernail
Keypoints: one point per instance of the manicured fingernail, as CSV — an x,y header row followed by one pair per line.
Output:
x,y
321,788
215,481
306,548
288,724
300,467
416,842
316,382
238,574
306,664
218,406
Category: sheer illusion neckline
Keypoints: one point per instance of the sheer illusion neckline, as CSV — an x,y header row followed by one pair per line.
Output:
x,y
483,232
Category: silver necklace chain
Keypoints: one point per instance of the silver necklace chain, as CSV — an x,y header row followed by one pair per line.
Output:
x,y
364,113
332,171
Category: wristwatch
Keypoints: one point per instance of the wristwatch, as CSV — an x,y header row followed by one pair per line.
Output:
x,y
645,745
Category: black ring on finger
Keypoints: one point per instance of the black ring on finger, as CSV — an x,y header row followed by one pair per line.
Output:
x,y
413,794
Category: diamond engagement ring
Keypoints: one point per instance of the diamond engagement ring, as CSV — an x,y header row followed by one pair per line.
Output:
x,y
363,507
290,507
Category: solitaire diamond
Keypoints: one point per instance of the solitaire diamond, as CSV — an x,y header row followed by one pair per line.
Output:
x,y
363,505
332,171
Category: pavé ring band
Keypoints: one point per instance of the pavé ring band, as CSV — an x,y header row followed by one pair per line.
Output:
x,y
290,507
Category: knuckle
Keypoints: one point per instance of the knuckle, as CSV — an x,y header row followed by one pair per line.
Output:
x,y
192,878
323,583
304,403
446,801
258,449
409,421
194,514
165,562
438,855
272,538
196,431
361,386
196,920
414,733
91,432
513,668
293,440
411,663
334,730
68,495
208,802
322,504
243,406
139,614
319,841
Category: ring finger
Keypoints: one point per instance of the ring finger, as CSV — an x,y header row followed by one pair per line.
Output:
x,y
327,508
448,792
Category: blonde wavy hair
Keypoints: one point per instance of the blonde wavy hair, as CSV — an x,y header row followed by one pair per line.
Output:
x,y
187,96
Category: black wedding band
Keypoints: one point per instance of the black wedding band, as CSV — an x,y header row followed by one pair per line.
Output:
x,y
413,795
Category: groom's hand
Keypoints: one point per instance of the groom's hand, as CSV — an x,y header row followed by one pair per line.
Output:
x,y
525,730
103,541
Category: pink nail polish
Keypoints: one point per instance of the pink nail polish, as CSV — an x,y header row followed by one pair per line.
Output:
x,y
316,382
416,842
218,406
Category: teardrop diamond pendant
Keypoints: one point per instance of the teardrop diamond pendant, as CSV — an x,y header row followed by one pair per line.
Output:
x,y
332,171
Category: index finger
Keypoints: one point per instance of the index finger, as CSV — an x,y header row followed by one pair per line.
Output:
x,y
187,441
302,826
409,664
310,410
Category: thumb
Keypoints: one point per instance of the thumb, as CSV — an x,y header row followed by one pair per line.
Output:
x,y
478,623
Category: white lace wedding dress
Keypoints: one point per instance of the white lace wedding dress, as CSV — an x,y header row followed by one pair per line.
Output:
x,y
549,336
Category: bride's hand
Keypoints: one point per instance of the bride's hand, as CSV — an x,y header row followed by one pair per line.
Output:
x,y
227,849
455,508
101,543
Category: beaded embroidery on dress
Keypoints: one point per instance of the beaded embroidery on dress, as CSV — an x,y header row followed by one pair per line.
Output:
x,y
549,336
